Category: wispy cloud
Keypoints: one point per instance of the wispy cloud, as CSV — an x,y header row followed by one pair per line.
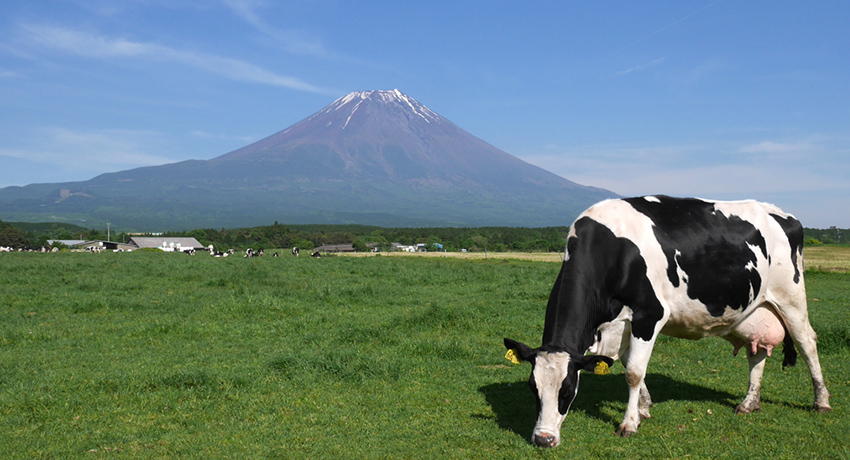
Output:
x,y
208,135
667,26
293,41
770,147
641,67
98,149
715,170
99,47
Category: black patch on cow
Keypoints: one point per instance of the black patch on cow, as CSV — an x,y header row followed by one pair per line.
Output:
x,y
533,385
603,273
568,389
713,250
794,231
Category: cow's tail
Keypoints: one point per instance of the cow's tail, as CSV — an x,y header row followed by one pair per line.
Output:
x,y
788,349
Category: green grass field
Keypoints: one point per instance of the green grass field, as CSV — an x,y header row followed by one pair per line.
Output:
x,y
157,355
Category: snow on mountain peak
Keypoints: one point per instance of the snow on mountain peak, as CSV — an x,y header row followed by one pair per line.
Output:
x,y
383,96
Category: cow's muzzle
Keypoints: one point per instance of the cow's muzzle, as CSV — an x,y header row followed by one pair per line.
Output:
x,y
542,439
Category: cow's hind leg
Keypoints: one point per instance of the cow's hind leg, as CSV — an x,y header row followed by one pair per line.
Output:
x,y
752,402
806,339
794,311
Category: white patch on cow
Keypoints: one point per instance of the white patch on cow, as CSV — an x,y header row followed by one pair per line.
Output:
x,y
612,338
652,199
571,234
683,277
550,370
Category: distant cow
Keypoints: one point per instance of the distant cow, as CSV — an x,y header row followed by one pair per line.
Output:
x,y
295,251
638,267
252,253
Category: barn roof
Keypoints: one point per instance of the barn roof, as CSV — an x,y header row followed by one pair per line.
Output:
x,y
169,241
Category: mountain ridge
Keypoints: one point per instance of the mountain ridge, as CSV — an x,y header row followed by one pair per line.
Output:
x,y
369,157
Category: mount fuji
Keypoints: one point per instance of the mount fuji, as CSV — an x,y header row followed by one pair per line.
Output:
x,y
371,157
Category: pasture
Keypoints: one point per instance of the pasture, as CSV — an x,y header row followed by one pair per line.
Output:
x,y
156,355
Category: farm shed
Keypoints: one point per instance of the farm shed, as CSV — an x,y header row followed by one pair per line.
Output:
x,y
166,243
100,245
335,248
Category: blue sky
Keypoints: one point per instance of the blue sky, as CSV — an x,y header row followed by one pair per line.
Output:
x,y
717,99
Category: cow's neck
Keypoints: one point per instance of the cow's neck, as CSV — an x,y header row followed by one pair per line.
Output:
x,y
576,308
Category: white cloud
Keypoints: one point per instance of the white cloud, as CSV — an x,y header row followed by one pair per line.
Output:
x,y
99,47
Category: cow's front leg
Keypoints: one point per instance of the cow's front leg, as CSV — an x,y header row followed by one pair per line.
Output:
x,y
636,363
752,402
645,401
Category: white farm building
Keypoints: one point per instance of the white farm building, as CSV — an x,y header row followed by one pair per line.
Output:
x,y
165,243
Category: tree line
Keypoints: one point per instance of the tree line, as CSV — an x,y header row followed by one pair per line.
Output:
x,y
449,238
476,239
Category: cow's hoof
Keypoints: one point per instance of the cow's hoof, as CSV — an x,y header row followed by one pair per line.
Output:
x,y
823,409
747,408
624,432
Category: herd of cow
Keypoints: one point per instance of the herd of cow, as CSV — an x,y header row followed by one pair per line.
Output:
x,y
96,249
41,249
250,252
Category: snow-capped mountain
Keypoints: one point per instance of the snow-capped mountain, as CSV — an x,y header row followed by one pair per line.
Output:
x,y
370,157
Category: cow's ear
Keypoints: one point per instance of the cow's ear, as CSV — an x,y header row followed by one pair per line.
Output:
x,y
596,364
519,352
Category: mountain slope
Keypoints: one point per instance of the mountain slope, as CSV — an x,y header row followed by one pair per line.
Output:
x,y
374,157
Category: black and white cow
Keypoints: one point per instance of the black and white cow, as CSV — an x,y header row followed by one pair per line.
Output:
x,y
638,267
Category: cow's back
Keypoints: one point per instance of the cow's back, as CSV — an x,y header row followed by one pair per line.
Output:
x,y
710,261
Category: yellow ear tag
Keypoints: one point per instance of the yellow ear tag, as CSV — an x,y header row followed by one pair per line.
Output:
x,y
601,368
511,356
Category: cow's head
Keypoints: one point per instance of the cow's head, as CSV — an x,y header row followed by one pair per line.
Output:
x,y
554,382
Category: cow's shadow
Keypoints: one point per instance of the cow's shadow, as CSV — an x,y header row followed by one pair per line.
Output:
x,y
515,409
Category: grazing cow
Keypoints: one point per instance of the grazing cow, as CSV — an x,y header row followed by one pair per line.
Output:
x,y
316,254
251,253
689,268
295,251
215,253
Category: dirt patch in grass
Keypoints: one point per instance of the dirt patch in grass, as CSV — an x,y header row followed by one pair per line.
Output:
x,y
827,258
